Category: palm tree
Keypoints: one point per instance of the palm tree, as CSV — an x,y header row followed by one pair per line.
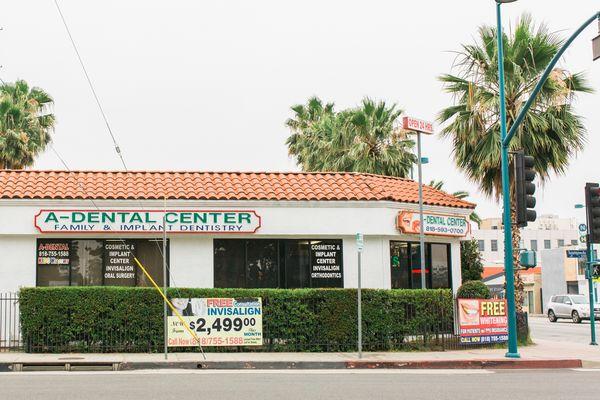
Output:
x,y
551,132
461,194
25,124
362,139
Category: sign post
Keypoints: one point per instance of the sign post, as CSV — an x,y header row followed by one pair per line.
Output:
x,y
360,244
419,126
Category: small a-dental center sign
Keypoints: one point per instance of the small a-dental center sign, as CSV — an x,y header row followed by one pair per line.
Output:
x,y
142,221
433,224
417,125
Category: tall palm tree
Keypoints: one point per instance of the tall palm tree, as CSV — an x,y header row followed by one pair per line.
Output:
x,y
25,124
461,194
551,132
361,139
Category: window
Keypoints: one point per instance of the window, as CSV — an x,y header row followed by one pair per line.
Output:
x,y
546,243
574,242
405,265
494,245
534,246
274,263
561,243
98,262
494,227
481,245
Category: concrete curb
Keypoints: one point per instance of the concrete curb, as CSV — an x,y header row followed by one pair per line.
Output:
x,y
297,365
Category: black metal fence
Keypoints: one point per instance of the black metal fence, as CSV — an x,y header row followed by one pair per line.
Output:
x,y
10,328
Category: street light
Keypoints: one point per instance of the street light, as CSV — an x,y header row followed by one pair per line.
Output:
x,y
505,141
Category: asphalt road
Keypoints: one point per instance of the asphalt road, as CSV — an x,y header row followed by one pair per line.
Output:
x,y
562,330
292,385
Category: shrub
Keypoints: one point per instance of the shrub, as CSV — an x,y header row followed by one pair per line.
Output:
x,y
122,319
473,290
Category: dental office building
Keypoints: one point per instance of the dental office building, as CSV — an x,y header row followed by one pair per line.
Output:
x,y
230,229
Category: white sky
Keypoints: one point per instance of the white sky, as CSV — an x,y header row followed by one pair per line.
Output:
x,y
199,85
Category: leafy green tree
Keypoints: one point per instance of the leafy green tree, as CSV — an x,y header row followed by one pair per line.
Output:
x,y
25,124
461,194
551,132
360,139
471,266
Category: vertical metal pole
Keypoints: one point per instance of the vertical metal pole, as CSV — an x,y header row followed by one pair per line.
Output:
x,y
359,308
590,260
508,249
166,328
421,229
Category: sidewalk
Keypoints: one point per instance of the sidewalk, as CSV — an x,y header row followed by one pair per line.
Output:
x,y
543,354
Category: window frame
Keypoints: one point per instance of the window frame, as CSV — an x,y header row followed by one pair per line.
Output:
x,y
429,282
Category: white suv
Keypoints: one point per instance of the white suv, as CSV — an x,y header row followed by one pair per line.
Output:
x,y
572,306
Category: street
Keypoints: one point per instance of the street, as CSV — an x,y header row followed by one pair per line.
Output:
x,y
563,330
291,385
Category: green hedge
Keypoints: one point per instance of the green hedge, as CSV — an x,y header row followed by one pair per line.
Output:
x,y
473,290
117,319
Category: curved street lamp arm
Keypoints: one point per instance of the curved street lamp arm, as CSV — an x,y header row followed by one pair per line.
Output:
x,y
538,86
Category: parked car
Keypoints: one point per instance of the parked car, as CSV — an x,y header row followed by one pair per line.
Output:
x,y
571,306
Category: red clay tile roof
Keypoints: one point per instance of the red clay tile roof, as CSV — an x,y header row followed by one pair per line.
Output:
x,y
106,185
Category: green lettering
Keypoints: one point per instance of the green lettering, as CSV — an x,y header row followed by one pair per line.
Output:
x,y
185,218
215,216
148,219
77,217
135,217
199,218
93,217
51,217
244,217
110,217
169,219
229,218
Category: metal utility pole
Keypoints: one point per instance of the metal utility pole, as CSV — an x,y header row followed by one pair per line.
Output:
x,y
359,249
421,227
164,254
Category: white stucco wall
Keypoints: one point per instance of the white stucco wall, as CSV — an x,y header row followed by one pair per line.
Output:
x,y
191,255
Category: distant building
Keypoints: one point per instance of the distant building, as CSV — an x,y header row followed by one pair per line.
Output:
x,y
548,232
493,277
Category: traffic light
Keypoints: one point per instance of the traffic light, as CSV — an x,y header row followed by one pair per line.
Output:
x,y
525,188
592,209
595,271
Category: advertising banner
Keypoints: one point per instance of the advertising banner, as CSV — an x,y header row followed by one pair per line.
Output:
x,y
433,224
119,266
144,221
217,322
482,321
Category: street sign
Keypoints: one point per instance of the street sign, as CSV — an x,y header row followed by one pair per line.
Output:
x,y
417,125
360,242
582,228
582,239
576,254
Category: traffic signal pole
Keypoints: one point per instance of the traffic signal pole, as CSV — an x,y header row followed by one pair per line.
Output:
x,y
590,263
505,143
508,249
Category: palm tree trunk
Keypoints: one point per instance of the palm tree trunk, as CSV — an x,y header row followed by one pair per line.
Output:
x,y
516,239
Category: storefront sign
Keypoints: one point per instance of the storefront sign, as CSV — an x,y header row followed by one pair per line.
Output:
x,y
217,322
482,321
434,224
417,125
143,221
53,253
326,263
119,266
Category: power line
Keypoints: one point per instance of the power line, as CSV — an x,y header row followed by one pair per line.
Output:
x,y
91,85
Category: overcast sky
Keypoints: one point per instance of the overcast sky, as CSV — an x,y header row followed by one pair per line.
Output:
x,y
199,85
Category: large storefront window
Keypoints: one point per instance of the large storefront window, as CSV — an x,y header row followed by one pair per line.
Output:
x,y
405,265
98,262
274,263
